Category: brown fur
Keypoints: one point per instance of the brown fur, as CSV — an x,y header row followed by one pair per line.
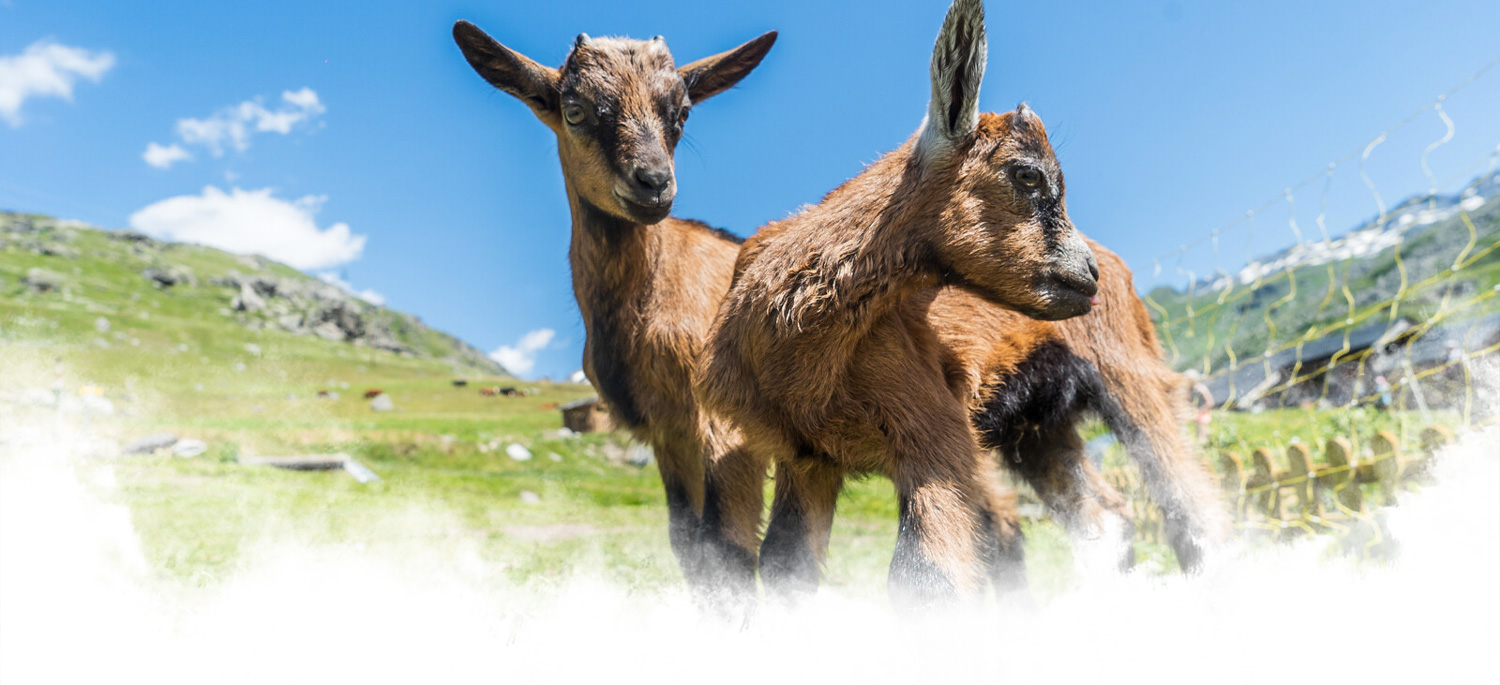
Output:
x,y
864,334
647,284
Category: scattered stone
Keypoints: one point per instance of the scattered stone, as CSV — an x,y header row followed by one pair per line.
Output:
x,y
382,402
329,330
530,497
252,349
240,366
189,448
639,456
166,278
40,280
518,452
360,472
151,443
567,433
248,300
554,456
101,324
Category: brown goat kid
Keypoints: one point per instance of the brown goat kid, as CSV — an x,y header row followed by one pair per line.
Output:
x,y
647,284
877,333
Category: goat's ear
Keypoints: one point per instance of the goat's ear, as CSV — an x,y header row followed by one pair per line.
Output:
x,y
507,69
710,76
957,69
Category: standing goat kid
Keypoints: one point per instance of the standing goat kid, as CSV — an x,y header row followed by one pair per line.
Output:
x,y
866,334
647,284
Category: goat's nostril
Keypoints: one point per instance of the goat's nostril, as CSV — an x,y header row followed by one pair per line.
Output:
x,y
654,180
1094,269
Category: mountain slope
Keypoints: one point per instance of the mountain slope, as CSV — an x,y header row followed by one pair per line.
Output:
x,y
69,286
1311,290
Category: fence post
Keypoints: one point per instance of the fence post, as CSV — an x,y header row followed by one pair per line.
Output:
x,y
1339,478
1299,465
1232,480
1386,469
1262,475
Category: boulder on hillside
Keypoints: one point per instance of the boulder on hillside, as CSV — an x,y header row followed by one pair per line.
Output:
x,y
383,402
151,443
247,301
40,280
166,278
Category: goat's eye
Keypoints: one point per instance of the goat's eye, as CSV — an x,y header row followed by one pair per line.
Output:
x,y
1029,177
682,115
573,114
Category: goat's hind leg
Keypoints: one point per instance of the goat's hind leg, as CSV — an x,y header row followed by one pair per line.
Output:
x,y
1143,413
1002,545
1053,460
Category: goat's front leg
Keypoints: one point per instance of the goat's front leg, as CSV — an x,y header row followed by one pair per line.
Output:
x,y
791,558
733,498
939,543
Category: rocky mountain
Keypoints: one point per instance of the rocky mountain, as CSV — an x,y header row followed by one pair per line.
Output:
x,y
83,275
1406,258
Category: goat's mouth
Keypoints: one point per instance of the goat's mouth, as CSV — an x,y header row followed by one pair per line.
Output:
x,y
645,210
1064,295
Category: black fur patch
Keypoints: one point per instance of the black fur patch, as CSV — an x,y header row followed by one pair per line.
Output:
x,y
727,564
787,565
719,233
915,580
607,340
1047,391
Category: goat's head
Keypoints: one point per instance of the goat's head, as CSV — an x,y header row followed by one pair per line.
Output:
x,y
617,106
1005,230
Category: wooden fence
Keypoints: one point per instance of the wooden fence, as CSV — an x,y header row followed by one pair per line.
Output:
x,y
1282,492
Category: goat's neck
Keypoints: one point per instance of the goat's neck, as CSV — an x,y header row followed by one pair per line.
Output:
x,y
610,260
871,247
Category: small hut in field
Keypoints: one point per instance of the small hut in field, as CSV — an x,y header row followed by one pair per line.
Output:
x,y
586,416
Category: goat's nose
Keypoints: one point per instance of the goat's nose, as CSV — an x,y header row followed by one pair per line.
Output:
x,y
654,180
1093,266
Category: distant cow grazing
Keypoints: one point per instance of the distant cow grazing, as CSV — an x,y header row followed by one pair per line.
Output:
x,y
372,393
460,383
511,392
489,392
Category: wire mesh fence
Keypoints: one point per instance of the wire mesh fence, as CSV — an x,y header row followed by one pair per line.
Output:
x,y
1372,343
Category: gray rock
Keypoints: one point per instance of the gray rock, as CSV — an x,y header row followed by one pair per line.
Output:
x,y
248,300
40,280
151,443
291,322
329,330
166,278
518,452
530,497
252,349
101,324
639,456
189,448
382,402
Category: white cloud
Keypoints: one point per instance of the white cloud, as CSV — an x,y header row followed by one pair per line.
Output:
x,y
252,222
46,69
522,358
367,294
164,156
232,127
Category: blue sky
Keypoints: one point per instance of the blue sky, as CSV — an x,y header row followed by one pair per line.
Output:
x,y
357,132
